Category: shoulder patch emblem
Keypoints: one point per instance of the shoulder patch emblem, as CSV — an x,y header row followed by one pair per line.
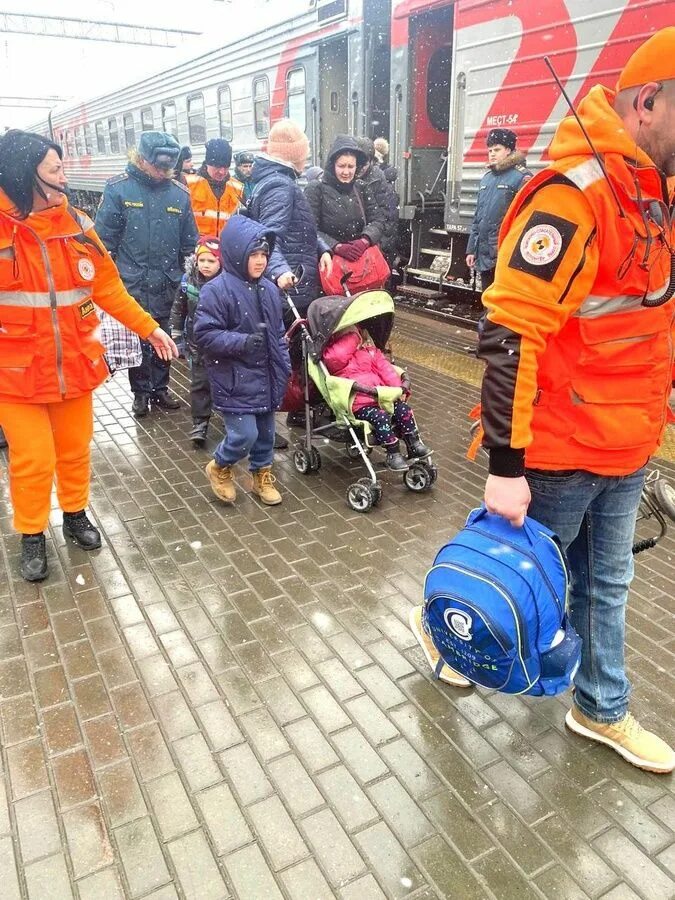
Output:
x,y
134,204
173,209
86,269
542,245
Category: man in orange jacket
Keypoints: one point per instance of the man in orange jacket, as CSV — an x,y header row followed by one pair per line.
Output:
x,y
215,195
54,272
579,351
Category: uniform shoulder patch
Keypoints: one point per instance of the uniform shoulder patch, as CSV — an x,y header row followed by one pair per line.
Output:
x,y
117,178
542,245
180,184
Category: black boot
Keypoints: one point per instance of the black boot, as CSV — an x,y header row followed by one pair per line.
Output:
x,y
394,460
415,446
198,432
141,406
164,400
296,419
79,529
33,557
280,442
3,440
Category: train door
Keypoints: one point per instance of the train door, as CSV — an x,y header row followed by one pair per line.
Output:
x,y
333,91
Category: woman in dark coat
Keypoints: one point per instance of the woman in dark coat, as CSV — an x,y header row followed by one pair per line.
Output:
x,y
348,217
279,203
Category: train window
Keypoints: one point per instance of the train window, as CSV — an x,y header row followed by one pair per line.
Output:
x,y
147,119
196,119
261,106
438,88
225,113
169,118
88,142
114,135
79,141
100,137
295,88
129,130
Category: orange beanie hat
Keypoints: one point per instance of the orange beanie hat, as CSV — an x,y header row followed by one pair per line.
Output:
x,y
652,61
288,143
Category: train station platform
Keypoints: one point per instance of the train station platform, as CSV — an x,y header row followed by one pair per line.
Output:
x,y
228,703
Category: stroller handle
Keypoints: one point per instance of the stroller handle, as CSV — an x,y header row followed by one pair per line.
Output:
x,y
297,325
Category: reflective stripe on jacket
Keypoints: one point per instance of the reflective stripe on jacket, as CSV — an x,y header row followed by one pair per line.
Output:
x,y
211,213
54,270
579,370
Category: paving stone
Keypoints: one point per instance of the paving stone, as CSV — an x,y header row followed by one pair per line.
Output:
x,y
8,872
371,720
277,833
501,876
250,875
197,871
634,820
555,883
395,870
49,878
265,736
150,751
281,700
346,798
61,730
311,745
27,771
410,768
105,884
243,770
333,850
171,806
37,826
225,823
459,825
636,868
88,841
519,842
121,793
220,727
141,857
364,763
446,871
297,788
305,880
365,888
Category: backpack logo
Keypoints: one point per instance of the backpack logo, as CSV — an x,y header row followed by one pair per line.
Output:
x,y
459,623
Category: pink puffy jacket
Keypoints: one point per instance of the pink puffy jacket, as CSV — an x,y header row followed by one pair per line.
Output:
x,y
366,365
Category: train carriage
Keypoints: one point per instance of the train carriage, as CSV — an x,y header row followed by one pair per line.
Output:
x,y
432,75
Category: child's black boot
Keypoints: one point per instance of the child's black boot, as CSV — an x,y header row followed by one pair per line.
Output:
x,y
199,431
416,448
394,459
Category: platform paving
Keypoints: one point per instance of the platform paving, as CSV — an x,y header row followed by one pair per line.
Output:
x,y
227,702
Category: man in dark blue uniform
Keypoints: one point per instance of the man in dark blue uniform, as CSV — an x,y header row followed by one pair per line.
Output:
x,y
145,220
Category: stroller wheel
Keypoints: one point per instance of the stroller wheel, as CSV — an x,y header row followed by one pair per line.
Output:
x,y
419,477
302,461
665,497
375,489
360,497
314,460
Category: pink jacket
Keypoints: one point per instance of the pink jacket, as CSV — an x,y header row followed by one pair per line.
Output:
x,y
366,365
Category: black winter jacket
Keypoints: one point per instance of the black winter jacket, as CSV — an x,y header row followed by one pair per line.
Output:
x,y
148,228
344,212
279,203
387,199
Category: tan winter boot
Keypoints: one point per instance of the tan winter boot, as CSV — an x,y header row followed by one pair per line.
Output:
x,y
222,481
263,486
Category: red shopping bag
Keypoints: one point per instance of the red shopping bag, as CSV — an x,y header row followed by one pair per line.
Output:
x,y
368,273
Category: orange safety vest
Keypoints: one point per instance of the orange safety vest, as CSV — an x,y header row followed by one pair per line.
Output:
x,y
54,270
211,214
592,394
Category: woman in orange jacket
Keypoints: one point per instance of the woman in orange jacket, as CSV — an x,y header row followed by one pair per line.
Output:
x,y
54,271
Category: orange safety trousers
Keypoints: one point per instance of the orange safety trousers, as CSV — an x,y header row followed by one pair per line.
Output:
x,y
47,440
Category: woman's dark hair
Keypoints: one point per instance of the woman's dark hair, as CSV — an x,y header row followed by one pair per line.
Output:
x,y
21,152
185,153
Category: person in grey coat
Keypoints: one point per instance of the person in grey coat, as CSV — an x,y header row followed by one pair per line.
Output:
x,y
505,175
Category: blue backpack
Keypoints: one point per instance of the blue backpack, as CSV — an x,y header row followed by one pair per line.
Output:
x,y
495,607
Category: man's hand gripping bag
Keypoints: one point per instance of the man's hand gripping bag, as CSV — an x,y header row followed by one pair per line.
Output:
x,y
495,607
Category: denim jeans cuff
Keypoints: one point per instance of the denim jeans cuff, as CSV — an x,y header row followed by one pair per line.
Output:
x,y
601,720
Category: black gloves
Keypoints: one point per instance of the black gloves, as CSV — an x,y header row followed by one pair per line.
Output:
x,y
254,342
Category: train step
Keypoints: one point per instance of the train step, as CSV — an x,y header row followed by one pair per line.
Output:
x,y
438,231
416,290
435,251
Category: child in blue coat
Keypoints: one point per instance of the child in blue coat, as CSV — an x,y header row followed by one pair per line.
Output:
x,y
239,329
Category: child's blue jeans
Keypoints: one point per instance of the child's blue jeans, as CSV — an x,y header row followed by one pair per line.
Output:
x,y
247,435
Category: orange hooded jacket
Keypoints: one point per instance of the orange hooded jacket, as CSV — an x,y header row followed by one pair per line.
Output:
x,y
579,370
53,269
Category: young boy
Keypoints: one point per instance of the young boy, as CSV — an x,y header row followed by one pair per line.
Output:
x,y
202,266
239,329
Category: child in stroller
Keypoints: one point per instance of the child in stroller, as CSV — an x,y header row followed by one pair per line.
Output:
x,y
349,354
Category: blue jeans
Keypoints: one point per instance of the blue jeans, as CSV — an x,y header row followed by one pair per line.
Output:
x,y
247,435
594,517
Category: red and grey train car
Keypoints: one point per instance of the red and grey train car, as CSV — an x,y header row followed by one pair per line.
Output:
x,y
431,75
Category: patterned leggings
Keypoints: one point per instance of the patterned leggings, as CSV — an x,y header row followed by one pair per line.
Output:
x,y
387,429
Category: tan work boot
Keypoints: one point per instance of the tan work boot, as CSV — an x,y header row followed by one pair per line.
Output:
x,y
641,748
441,671
222,481
263,486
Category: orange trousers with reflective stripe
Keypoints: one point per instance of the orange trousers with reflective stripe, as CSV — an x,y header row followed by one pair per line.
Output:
x,y
47,440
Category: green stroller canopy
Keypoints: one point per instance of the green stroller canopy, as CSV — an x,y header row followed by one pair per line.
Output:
x,y
327,315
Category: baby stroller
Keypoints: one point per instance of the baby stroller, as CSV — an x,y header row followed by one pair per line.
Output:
x,y
374,311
